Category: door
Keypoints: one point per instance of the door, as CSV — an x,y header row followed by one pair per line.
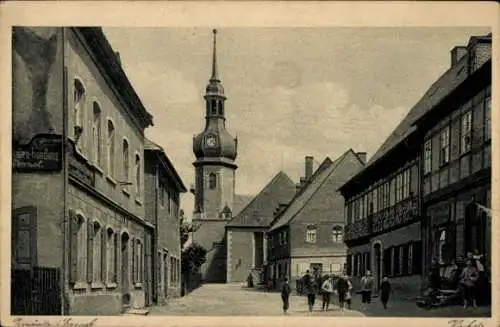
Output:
x,y
378,263
24,238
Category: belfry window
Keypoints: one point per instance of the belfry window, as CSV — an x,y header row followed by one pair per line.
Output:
x,y
221,108
213,107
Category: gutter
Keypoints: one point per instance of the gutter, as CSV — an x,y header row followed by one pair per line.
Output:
x,y
155,236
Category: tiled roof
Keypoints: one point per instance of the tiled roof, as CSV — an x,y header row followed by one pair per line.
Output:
x,y
259,212
308,191
240,202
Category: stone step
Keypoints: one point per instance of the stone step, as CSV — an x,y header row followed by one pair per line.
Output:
x,y
136,312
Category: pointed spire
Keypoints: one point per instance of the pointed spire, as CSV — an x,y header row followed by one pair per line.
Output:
x,y
215,76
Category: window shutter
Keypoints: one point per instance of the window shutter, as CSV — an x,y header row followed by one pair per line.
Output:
x,y
134,262
405,259
349,264
395,252
90,251
73,253
417,257
387,262
104,253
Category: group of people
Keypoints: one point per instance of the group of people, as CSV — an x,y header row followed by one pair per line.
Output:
x,y
468,276
334,285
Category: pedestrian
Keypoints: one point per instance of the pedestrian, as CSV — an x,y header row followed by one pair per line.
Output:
x,y
348,294
367,287
468,280
285,294
385,291
250,280
309,285
326,292
342,287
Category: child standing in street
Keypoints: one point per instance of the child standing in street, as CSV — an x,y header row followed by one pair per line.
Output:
x,y
285,295
385,291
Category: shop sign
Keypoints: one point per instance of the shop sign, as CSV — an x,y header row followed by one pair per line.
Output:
x,y
42,153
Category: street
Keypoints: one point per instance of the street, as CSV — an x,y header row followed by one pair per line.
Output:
x,y
234,299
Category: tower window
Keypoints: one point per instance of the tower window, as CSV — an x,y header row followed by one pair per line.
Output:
x,y
213,105
221,108
212,181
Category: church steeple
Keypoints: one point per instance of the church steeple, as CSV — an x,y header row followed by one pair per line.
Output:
x,y
215,76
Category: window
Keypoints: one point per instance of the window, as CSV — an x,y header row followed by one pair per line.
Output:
x,y
399,187
401,260
375,199
392,192
311,234
110,144
96,252
81,250
487,119
126,161
405,187
221,108
212,181
362,208
285,237
137,175
410,258
444,153
79,109
161,192
442,246
466,132
172,271
96,134
427,157
214,107
337,236
112,249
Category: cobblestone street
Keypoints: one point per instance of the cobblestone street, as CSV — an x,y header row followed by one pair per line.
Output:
x,y
233,299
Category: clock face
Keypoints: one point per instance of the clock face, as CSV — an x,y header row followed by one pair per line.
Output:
x,y
210,141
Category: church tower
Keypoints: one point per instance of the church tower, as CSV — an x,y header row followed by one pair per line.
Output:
x,y
215,150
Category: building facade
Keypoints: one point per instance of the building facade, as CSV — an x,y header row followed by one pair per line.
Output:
x,y
245,233
417,197
78,182
163,187
307,234
456,157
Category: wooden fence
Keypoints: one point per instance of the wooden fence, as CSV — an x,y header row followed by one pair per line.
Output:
x,y
36,291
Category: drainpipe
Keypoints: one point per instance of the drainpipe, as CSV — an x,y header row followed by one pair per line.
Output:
x,y
155,236
65,232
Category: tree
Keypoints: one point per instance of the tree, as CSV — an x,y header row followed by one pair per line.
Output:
x,y
193,257
185,229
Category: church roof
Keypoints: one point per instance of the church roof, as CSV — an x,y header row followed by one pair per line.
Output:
x,y
259,212
240,202
326,169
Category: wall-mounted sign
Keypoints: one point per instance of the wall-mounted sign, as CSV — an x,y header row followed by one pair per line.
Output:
x,y
42,153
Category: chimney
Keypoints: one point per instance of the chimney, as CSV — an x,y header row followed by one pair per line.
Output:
x,y
309,167
362,157
457,53
118,58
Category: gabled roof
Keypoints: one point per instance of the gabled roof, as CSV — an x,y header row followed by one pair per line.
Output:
x,y
445,84
259,212
166,163
240,202
307,192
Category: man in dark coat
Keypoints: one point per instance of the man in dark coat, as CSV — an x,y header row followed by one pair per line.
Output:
x,y
385,291
285,294
342,287
309,287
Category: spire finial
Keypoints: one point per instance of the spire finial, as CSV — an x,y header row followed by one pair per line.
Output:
x,y
214,59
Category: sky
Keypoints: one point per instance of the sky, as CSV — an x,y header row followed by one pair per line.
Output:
x,y
291,92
